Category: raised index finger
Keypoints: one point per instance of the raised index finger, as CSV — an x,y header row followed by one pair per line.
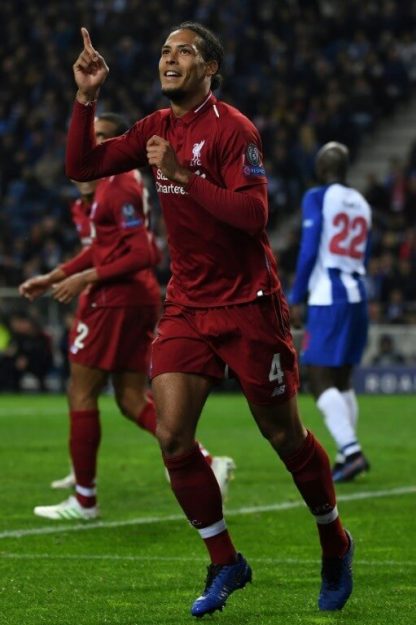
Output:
x,y
87,40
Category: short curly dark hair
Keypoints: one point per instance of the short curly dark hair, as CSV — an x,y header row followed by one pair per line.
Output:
x,y
209,45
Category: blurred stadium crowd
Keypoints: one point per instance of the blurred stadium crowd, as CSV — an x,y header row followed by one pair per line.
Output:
x,y
306,72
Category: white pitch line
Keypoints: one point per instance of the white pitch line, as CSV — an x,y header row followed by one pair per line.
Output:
x,y
285,505
184,559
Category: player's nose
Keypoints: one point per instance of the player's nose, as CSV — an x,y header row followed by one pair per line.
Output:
x,y
171,57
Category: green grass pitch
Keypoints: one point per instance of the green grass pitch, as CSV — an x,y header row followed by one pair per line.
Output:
x,y
143,565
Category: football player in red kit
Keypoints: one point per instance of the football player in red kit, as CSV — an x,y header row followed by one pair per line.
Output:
x,y
80,212
118,308
224,305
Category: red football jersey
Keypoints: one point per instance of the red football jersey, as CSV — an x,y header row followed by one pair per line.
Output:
x,y
119,231
80,213
218,245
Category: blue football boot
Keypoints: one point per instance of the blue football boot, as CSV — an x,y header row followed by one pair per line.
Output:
x,y
222,580
354,465
336,580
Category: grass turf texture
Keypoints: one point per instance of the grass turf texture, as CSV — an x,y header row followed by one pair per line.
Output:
x,y
134,571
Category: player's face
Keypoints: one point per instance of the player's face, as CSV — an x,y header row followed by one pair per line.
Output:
x,y
86,188
183,72
104,129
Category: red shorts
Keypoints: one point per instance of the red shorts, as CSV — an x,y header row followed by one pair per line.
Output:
x,y
252,340
113,339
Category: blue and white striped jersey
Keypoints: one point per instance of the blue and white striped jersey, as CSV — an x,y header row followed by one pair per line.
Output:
x,y
336,222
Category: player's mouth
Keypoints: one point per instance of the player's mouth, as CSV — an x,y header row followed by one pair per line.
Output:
x,y
170,74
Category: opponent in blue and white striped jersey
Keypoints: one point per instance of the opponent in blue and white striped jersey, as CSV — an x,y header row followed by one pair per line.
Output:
x,y
331,264
330,276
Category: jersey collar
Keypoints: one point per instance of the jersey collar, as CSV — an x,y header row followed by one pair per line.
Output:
x,y
186,119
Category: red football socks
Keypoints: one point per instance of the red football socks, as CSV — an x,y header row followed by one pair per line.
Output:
x,y
198,493
311,472
205,453
85,434
146,419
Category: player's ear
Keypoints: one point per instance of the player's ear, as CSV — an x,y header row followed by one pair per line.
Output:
x,y
211,68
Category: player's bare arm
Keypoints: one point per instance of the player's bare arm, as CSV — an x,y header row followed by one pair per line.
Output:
x,y
90,71
37,286
296,312
71,287
160,154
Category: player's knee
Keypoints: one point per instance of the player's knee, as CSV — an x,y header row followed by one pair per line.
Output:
x,y
81,397
281,439
125,406
130,404
276,437
84,387
171,441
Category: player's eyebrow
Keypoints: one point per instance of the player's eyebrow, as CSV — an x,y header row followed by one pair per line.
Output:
x,y
181,46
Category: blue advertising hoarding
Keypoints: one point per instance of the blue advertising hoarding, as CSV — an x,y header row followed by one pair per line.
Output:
x,y
393,380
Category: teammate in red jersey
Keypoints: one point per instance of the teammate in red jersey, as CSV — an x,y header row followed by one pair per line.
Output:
x,y
117,311
224,305
80,212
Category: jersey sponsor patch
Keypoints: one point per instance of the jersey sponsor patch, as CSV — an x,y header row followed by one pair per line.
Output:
x,y
253,171
130,218
253,165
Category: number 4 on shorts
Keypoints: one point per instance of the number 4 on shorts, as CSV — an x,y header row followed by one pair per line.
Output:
x,y
276,372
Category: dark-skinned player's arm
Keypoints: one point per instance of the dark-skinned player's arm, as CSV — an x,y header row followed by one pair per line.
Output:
x,y
140,254
90,71
84,159
245,209
77,274
38,285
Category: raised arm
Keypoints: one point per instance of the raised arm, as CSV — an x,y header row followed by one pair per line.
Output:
x,y
90,71
85,160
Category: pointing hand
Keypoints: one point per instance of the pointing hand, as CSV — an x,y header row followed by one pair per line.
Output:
x,y
90,70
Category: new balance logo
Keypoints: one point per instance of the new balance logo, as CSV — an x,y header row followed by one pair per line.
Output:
x,y
279,390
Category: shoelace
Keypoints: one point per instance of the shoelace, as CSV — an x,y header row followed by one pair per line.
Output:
x,y
212,571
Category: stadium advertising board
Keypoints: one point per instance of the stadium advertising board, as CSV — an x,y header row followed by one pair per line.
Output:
x,y
395,380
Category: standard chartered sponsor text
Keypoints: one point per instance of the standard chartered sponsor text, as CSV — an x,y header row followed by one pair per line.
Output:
x,y
171,187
